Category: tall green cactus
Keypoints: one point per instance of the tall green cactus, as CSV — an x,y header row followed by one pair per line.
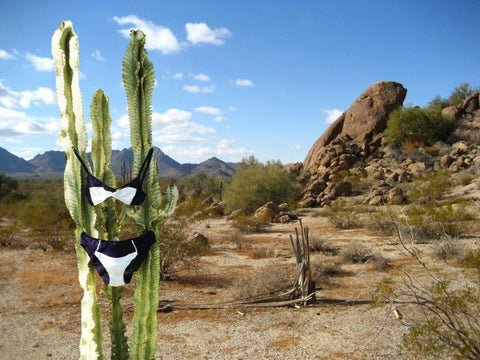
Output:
x,y
102,221
138,80
73,135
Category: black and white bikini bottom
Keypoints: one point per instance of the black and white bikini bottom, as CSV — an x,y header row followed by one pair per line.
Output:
x,y
116,261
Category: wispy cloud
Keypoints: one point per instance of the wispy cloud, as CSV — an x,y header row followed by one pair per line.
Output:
x,y
201,77
244,82
178,76
40,63
195,89
97,55
332,115
24,99
4,55
200,33
159,37
208,110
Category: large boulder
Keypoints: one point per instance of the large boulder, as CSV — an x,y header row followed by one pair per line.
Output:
x,y
356,134
364,122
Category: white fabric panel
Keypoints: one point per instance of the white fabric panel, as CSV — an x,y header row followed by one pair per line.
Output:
x,y
115,266
99,194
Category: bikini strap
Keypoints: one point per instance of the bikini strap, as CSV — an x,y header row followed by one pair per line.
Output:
x,y
81,161
133,243
145,165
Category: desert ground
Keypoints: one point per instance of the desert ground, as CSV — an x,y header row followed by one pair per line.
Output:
x,y
40,297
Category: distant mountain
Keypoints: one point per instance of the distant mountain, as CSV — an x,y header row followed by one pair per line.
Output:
x,y
52,164
10,163
49,162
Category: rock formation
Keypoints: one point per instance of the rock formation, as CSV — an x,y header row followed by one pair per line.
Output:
x,y
349,157
364,122
354,135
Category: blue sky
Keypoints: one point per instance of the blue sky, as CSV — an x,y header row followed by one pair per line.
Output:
x,y
234,78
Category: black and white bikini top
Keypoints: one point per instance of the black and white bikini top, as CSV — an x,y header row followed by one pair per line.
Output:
x,y
131,193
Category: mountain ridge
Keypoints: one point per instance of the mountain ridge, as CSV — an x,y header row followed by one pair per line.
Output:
x,y
52,164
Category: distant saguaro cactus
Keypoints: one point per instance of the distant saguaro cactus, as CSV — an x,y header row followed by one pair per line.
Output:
x,y
102,221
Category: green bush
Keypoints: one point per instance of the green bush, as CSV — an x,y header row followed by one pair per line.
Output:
x,y
430,187
254,184
416,125
7,184
341,215
458,95
355,253
432,220
176,250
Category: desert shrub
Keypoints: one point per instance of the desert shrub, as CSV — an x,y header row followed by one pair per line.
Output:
x,y
450,325
7,235
193,207
341,215
44,213
318,244
250,224
262,252
176,250
7,184
447,322
384,291
417,125
254,184
449,248
321,270
382,221
202,186
457,96
429,187
355,253
465,179
264,281
236,237
432,220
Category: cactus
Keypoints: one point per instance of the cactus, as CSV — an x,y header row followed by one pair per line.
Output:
x,y
138,80
102,221
73,135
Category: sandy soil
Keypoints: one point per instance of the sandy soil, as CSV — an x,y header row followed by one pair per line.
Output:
x,y
40,313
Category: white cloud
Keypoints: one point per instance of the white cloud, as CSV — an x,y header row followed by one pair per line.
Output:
x,y
175,125
158,37
244,82
202,77
332,115
18,123
40,63
195,89
24,99
178,76
296,147
192,89
198,33
219,118
97,55
208,110
224,149
4,55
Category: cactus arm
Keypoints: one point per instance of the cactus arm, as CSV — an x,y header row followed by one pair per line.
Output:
x,y
73,135
106,223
